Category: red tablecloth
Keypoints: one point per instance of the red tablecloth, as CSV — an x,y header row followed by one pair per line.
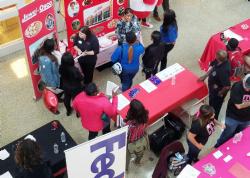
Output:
x,y
238,166
215,44
167,97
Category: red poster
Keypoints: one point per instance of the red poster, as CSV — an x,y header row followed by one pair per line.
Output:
x,y
100,15
38,22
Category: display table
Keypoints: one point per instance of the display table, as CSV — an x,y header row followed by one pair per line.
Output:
x,y
167,95
215,43
238,166
46,137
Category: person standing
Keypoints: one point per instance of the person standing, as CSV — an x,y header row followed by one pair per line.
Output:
x,y
72,80
169,33
201,129
91,105
218,81
238,110
153,54
48,65
136,119
128,54
87,46
127,23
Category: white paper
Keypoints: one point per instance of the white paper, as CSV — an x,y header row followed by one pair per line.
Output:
x,y
227,158
229,34
122,102
148,86
170,72
6,175
218,154
111,86
31,137
4,154
189,172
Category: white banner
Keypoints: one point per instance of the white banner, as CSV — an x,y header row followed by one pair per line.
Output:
x,y
102,157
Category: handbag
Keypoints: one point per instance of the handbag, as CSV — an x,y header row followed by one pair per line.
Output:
x,y
117,66
106,120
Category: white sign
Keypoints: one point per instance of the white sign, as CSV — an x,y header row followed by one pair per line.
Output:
x,y
102,157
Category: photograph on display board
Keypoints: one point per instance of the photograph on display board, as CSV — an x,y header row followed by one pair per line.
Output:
x,y
120,2
33,29
73,8
87,2
76,24
98,14
50,21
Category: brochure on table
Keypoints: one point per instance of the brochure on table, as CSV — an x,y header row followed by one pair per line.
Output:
x,y
38,23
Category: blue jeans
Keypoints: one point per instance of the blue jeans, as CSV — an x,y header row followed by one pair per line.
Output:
x,y
193,152
127,80
232,127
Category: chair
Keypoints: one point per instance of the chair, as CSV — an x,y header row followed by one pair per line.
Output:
x,y
161,169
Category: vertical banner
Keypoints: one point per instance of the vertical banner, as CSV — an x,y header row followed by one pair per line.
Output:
x,y
100,15
104,156
38,23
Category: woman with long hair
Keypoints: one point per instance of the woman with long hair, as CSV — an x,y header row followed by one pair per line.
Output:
x,y
28,158
87,46
137,118
48,65
169,33
72,80
202,127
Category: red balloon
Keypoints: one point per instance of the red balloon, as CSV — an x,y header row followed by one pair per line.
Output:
x,y
50,100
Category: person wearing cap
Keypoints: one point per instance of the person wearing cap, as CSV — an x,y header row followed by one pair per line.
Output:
x,y
218,80
235,57
238,110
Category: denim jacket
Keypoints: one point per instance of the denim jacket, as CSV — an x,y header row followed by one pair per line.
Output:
x,y
49,72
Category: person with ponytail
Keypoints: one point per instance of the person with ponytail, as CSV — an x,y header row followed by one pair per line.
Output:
x,y
202,127
128,54
48,65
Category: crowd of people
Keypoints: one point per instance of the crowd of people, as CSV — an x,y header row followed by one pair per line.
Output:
x,y
82,94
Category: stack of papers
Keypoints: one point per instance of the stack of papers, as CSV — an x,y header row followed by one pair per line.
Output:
x,y
148,86
189,172
111,86
4,154
6,175
170,72
122,102
229,34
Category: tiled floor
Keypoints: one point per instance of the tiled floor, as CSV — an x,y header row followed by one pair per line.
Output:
x,y
197,21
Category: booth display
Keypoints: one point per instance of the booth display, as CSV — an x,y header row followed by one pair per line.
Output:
x,y
178,85
37,21
229,160
240,31
47,136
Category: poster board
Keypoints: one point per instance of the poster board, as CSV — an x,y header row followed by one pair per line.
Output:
x,y
100,15
38,22
104,156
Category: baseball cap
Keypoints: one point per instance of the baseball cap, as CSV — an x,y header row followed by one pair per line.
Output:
x,y
246,81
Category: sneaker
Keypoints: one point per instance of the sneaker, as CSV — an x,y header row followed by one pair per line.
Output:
x,y
157,18
146,25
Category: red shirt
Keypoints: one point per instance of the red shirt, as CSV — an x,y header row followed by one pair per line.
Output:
x,y
135,131
91,109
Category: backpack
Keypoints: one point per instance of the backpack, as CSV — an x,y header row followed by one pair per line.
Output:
x,y
176,162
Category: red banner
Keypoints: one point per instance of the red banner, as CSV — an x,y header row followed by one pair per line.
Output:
x,y
38,23
100,15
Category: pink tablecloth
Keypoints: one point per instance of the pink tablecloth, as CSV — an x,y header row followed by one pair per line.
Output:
x,y
239,164
167,97
215,44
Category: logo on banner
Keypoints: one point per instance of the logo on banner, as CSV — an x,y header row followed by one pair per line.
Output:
x,y
101,165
